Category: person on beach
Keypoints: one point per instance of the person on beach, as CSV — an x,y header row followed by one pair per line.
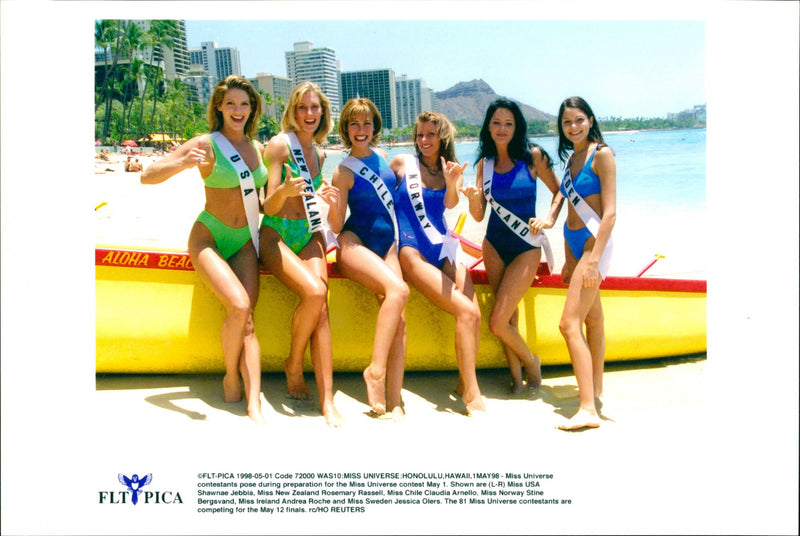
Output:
x,y
590,187
223,241
294,251
367,250
507,167
428,254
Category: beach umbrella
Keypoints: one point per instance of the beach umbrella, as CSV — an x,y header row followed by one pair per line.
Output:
x,y
129,143
97,142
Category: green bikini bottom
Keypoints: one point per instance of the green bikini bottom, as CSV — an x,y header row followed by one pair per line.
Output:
x,y
293,232
228,239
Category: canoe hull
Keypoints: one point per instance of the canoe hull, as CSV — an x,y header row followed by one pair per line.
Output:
x,y
155,315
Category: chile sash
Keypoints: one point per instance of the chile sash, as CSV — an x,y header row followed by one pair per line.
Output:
x,y
246,182
515,224
360,169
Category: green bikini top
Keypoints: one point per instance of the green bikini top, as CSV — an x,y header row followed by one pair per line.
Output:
x,y
317,181
225,176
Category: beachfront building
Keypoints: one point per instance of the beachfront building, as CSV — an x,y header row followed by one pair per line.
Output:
x,y
378,85
277,87
200,84
318,65
175,58
217,62
413,97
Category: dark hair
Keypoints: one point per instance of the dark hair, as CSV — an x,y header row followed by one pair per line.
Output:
x,y
520,147
564,145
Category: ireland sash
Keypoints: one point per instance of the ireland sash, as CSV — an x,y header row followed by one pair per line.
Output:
x,y
311,204
515,224
590,219
360,169
414,188
249,193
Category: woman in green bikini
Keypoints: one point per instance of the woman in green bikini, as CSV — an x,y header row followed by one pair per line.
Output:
x,y
221,242
292,239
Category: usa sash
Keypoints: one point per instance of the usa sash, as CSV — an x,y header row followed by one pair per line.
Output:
x,y
310,203
514,223
414,187
246,182
589,218
362,170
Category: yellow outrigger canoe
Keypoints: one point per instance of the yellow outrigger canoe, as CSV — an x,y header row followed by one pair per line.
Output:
x,y
155,315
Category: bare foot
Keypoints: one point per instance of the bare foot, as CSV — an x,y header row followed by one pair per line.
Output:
x,y
582,419
232,388
332,416
256,416
534,376
517,386
398,414
295,382
476,407
376,391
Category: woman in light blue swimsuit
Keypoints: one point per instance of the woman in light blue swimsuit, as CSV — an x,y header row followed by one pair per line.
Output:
x,y
367,251
591,172
290,251
220,244
444,281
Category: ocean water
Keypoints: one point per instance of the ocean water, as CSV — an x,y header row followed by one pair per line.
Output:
x,y
661,200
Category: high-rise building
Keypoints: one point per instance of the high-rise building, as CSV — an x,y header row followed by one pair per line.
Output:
x,y
277,87
217,62
377,85
175,57
413,98
317,65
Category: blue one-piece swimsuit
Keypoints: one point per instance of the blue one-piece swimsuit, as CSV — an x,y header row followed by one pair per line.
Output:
x,y
411,233
586,183
515,191
368,218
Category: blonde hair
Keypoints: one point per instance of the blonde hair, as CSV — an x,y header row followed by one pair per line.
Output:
x,y
445,130
223,86
355,108
289,119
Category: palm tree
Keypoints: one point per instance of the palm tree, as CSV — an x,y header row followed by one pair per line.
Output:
x,y
106,33
163,34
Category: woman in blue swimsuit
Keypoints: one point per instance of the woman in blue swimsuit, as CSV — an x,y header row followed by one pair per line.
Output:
x,y
220,243
425,265
367,251
590,174
290,251
511,262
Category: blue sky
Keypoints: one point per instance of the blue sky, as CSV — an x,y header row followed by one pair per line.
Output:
x,y
644,68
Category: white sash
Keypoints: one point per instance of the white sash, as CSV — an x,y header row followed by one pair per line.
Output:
x,y
362,170
311,204
450,245
248,185
590,219
516,225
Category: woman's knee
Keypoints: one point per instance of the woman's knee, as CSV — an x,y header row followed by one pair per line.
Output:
x,y
398,292
569,327
470,314
315,293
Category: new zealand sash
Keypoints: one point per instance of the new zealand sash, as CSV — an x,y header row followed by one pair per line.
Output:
x,y
360,169
246,182
515,224
311,204
450,245
589,217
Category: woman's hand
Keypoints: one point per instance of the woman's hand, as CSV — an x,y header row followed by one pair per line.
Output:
x,y
328,193
195,157
591,275
537,225
294,186
472,193
452,171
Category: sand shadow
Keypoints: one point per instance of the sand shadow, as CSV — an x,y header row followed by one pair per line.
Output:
x,y
206,388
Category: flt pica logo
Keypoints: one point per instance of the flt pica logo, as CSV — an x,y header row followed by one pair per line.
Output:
x,y
134,491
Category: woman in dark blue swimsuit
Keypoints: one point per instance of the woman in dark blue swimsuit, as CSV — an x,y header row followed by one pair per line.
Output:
x,y
511,263
367,251
425,265
592,173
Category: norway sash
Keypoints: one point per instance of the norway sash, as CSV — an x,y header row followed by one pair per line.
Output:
x,y
246,182
360,169
450,245
310,203
515,224
589,217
